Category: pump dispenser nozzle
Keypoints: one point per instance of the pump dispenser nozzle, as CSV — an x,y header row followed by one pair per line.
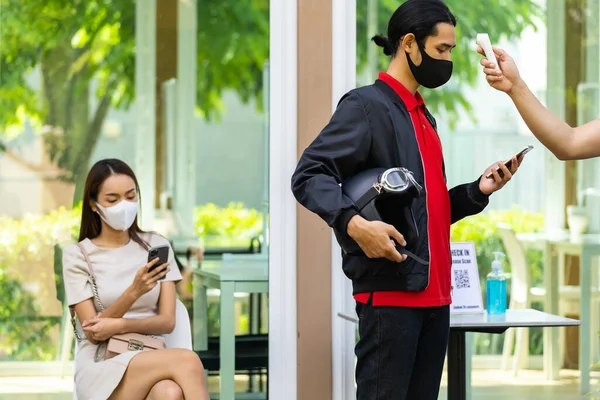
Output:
x,y
497,264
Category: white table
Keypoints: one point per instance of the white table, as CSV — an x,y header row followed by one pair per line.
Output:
x,y
461,324
245,276
587,247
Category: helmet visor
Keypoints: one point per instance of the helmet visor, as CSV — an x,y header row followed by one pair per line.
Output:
x,y
399,179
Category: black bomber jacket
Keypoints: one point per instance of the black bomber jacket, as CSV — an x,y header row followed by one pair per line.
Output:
x,y
357,138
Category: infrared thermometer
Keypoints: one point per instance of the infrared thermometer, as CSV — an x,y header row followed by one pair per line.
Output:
x,y
483,40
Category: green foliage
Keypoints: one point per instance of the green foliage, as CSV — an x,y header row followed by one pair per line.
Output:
x,y
233,45
32,238
68,43
74,43
96,40
27,238
23,336
481,229
26,246
232,224
501,19
28,242
71,44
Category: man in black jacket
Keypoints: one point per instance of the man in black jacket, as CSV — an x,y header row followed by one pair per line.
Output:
x,y
403,305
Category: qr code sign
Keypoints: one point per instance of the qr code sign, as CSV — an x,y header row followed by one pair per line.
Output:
x,y
461,279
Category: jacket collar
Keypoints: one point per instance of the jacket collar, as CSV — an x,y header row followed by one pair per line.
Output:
x,y
396,99
409,100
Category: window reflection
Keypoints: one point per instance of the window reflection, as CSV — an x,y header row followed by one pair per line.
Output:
x,y
178,92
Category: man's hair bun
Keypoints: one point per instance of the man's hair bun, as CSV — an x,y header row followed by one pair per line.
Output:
x,y
383,41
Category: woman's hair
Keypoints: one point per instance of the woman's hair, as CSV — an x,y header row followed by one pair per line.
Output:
x,y
419,17
90,221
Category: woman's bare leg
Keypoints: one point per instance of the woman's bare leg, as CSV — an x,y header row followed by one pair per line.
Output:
x,y
165,390
150,367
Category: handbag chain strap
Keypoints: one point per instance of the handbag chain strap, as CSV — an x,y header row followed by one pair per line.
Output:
x,y
92,280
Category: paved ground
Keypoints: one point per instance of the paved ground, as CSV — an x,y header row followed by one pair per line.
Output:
x,y
530,385
487,385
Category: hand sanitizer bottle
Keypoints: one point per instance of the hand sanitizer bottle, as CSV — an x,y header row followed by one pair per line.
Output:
x,y
496,287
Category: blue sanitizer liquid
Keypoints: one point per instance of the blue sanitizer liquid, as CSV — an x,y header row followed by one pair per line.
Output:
x,y
496,296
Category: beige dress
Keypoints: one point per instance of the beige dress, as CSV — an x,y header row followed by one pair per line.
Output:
x,y
115,270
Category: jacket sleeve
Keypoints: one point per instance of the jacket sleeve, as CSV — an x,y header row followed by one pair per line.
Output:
x,y
339,151
465,200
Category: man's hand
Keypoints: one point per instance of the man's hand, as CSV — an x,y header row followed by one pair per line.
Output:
x,y
503,77
103,328
496,181
376,238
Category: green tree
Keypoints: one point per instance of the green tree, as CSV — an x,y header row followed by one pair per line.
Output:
x,y
69,44
501,19
73,43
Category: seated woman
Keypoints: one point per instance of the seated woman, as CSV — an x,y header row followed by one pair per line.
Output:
x,y
136,299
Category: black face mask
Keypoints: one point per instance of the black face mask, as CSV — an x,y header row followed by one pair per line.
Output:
x,y
432,73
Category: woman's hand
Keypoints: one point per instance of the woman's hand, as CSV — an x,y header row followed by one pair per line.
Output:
x,y
145,280
103,328
503,77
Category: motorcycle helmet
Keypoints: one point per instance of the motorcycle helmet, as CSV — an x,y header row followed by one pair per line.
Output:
x,y
386,194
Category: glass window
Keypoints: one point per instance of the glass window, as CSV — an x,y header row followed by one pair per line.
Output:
x,y
178,91
67,86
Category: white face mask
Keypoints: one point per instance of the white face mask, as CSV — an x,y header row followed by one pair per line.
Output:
x,y
120,217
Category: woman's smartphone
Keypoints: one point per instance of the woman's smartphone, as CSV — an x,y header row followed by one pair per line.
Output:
x,y
162,252
508,163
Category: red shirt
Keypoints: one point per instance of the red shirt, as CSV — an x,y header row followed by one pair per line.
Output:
x,y
438,210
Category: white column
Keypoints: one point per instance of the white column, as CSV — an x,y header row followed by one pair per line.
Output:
x,y
592,32
184,195
266,93
555,100
555,169
588,109
343,332
145,107
282,162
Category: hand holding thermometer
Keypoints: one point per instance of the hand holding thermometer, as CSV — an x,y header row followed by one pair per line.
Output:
x,y
483,40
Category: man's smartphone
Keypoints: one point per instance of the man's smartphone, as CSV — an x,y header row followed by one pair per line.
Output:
x,y
508,163
162,252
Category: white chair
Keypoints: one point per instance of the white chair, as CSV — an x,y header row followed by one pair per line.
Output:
x,y
180,338
522,295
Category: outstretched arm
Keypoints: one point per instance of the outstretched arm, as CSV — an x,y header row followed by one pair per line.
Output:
x,y
564,141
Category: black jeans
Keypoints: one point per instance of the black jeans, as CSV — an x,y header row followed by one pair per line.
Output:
x,y
400,352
